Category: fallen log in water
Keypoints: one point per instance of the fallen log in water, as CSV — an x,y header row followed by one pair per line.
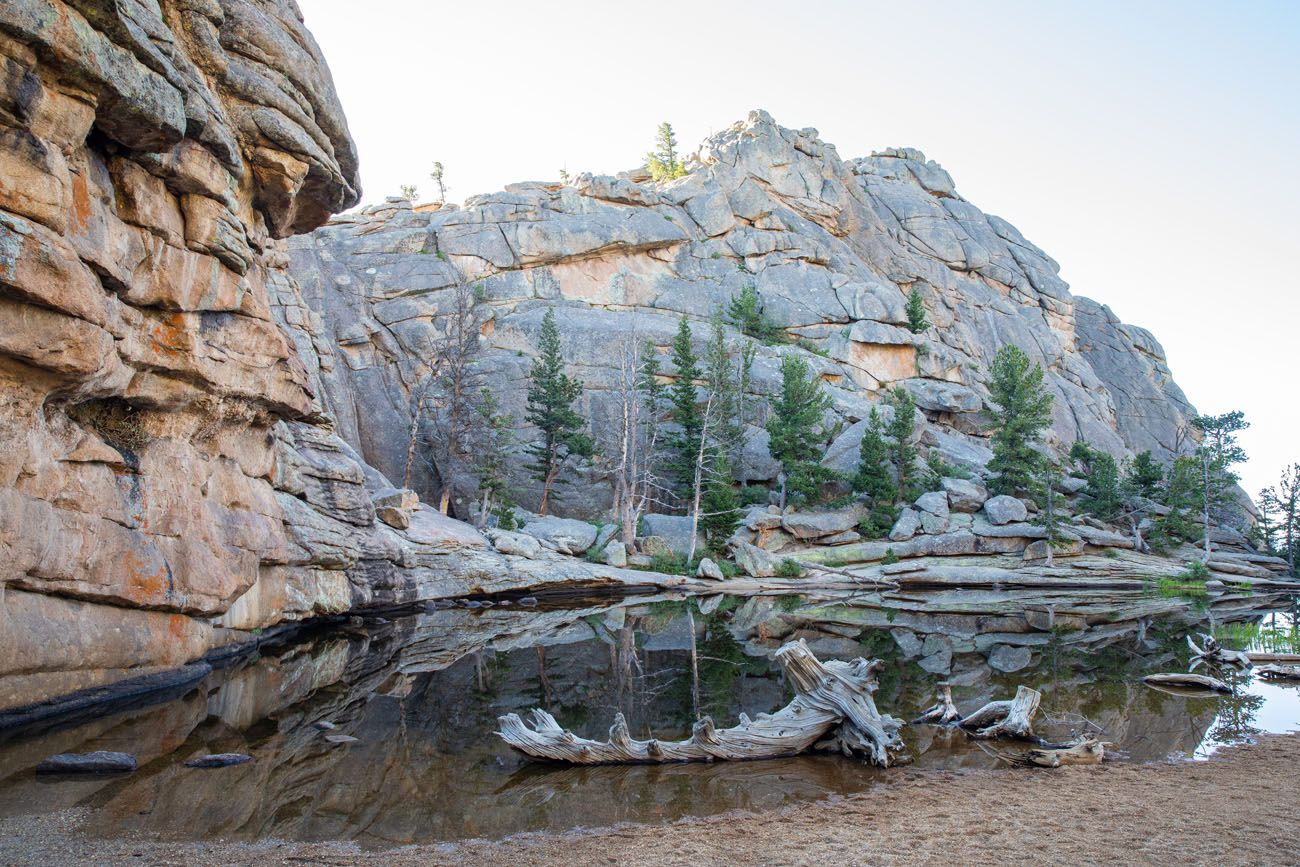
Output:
x,y
1211,651
832,699
1012,719
1188,681
1279,672
1261,656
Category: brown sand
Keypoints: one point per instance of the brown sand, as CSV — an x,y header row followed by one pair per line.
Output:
x,y
1238,808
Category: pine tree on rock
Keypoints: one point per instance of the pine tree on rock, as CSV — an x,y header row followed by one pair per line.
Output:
x,y
684,408
491,462
663,162
1283,500
1022,409
795,431
901,450
1144,476
1216,455
1099,470
551,395
719,504
873,478
916,319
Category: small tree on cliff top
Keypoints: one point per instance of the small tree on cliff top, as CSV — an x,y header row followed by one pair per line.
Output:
x,y
663,161
551,394
1022,409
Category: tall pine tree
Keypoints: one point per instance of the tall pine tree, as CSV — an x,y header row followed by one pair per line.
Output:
x,y
551,395
684,408
901,450
1022,409
795,431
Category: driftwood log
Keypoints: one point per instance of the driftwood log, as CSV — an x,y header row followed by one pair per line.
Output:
x,y
1188,681
1264,656
1279,672
1012,718
1088,751
832,708
1211,651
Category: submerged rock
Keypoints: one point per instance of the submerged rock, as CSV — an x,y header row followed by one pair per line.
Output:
x,y
218,760
98,762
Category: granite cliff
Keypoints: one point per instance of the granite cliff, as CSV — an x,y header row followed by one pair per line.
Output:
x,y
202,407
833,247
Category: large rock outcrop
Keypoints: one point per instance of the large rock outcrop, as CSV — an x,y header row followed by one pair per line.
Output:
x,y
833,248
164,481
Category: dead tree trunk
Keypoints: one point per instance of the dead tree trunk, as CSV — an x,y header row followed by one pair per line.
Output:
x,y
943,712
1011,719
828,695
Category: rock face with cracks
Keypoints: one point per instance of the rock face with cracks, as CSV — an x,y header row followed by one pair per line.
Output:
x,y
833,247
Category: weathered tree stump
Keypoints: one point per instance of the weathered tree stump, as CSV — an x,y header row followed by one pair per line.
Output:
x,y
1211,651
942,712
1188,681
1011,719
829,696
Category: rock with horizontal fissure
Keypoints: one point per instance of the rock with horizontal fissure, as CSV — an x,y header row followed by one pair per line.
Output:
x,y
98,762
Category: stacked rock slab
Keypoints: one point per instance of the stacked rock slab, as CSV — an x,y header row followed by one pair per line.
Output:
x,y
150,155
833,248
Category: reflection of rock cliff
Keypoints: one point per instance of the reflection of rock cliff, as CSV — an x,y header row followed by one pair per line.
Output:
x,y
831,246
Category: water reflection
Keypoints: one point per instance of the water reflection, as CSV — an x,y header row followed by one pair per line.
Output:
x,y
422,693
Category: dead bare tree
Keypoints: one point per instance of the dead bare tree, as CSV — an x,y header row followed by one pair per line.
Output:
x,y
456,389
635,435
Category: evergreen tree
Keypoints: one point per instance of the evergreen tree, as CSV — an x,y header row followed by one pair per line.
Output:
x,y
436,177
901,450
795,431
491,462
873,477
1180,493
722,378
1144,476
719,504
663,162
916,319
1102,496
684,408
1022,408
1051,504
746,312
1217,453
410,191
1283,500
551,395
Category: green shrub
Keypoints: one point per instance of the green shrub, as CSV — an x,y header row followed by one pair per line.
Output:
x,y
1195,571
754,495
878,523
670,564
808,346
890,558
789,568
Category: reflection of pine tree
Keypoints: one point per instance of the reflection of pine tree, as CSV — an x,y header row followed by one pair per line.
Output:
x,y
1235,722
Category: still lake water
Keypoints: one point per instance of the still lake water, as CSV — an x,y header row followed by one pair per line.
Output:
x,y
421,694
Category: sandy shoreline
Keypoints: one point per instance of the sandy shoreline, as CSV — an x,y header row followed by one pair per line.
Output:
x,y
1237,808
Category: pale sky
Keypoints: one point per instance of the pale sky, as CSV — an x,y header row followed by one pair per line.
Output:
x,y
1152,148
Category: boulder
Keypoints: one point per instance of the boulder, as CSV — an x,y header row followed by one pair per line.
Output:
x,y
1037,550
934,502
762,518
566,535
814,525
710,570
1003,509
518,544
615,554
754,561
848,537
98,762
932,524
394,517
1008,659
939,396
908,644
397,498
655,546
907,526
673,529
964,495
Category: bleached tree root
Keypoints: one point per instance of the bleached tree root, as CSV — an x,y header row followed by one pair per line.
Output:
x,y
1188,681
829,696
1279,672
1005,719
943,711
1211,651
